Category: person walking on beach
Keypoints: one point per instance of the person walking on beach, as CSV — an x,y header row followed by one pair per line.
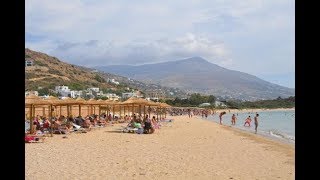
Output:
x,y
248,121
220,116
256,122
233,119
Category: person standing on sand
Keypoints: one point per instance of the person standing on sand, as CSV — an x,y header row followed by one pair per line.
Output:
x,y
189,113
220,116
256,122
233,119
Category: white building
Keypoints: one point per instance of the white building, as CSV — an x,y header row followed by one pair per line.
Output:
x,y
132,94
28,62
128,95
219,103
63,90
113,81
112,96
75,94
93,89
27,93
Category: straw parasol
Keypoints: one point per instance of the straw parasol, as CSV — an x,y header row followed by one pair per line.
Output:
x,y
79,99
138,101
34,100
91,101
165,105
132,101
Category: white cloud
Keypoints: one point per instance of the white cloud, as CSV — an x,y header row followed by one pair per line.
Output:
x,y
96,52
230,33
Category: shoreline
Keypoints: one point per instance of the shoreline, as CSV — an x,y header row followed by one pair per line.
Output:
x,y
252,135
253,110
183,149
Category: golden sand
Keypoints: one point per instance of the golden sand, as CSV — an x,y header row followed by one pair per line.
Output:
x,y
188,148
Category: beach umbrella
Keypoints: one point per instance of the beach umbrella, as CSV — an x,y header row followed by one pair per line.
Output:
x,y
92,102
53,101
100,102
139,102
80,101
32,101
164,105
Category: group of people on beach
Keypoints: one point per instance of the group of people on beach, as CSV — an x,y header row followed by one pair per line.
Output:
x,y
247,120
145,125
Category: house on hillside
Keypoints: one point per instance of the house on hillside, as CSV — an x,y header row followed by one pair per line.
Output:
x,y
112,96
113,81
27,93
132,94
93,89
28,62
64,91
75,94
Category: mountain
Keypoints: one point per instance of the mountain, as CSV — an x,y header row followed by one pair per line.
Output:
x,y
48,72
198,75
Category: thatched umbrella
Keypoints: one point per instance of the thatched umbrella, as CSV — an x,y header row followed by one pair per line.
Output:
x,y
32,101
164,105
138,101
80,101
91,102
100,102
68,102
53,101
107,103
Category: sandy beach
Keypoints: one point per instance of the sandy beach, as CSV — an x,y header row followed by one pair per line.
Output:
x,y
188,148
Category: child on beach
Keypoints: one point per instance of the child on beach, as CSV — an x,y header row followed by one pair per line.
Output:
x,y
233,119
248,121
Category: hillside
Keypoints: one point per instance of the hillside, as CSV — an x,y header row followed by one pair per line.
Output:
x,y
48,72
198,75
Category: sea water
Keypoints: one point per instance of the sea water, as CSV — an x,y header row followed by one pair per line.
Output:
x,y
273,124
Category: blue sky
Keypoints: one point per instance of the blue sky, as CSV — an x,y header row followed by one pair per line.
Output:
x,y
252,36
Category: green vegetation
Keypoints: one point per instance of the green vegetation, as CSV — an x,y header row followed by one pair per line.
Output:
x,y
39,63
99,78
193,101
270,104
56,72
46,91
117,91
76,86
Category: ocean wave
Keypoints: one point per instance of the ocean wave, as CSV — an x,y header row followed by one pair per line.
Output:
x,y
279,134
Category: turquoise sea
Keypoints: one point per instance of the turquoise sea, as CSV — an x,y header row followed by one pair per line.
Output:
x,y
274,124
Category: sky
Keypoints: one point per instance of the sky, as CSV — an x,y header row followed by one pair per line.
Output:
x,y
251,36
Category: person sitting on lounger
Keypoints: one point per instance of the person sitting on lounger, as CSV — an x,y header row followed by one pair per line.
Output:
x,y
87,123
46,124
102,121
